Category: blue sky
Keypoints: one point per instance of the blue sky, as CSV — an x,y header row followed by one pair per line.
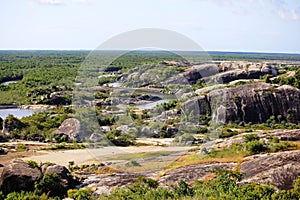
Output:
x,y
225,25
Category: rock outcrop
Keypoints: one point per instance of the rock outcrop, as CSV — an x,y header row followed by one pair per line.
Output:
x,y
249,103
193,172
71,128
249,73
285,135
226,72
199,104
279,169
62,171
18,175
258,102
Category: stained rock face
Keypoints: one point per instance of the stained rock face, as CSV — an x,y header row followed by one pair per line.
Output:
x,y
286,135
258,102
280,169
249,103
226,72
193,172
70,127
18,175
198,104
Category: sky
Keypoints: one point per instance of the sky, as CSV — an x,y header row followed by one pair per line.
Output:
x,y
216,25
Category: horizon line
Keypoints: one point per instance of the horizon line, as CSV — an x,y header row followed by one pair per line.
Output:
x,y
221,51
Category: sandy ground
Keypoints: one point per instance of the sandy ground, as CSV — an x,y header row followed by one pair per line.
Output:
x,y
83,156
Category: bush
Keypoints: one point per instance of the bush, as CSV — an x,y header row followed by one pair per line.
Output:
x,y
50,184
26,196
250,137
183,189
223,186
21,147
227,133
256,147
119,139
281,146
32,164
81,194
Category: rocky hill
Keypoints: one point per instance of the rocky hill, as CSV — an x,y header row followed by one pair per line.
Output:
x,y
249,103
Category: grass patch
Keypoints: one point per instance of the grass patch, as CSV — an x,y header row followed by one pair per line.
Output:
x,y
147,166
105,170
136,156
65,146
193,158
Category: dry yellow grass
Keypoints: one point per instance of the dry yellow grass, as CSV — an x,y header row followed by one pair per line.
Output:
x,y
192,159
105,170
209,176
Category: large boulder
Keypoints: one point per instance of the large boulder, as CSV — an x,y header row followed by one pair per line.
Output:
x,y
230,71
197,104
248,103
62,171
17,176
71,128
279,169
193,172
258,102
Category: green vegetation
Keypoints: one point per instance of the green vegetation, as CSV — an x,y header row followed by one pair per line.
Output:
x,y
48,187
81,194
169,105
227,133
272,123
224,186
50,184
291,80
36,127
119,139
38,73
65,146
253,145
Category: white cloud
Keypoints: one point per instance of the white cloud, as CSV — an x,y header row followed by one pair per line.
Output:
x,y
80,1
294,14
61,2
291,14
282,14
50,2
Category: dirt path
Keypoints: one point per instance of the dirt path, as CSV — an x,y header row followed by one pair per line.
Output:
x,y
82,156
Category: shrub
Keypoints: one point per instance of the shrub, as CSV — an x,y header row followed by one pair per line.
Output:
x,y
280,146
256,147
119,139
50,184
250,137
183,189
81,194
21,147
26,196
32,164
227,133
